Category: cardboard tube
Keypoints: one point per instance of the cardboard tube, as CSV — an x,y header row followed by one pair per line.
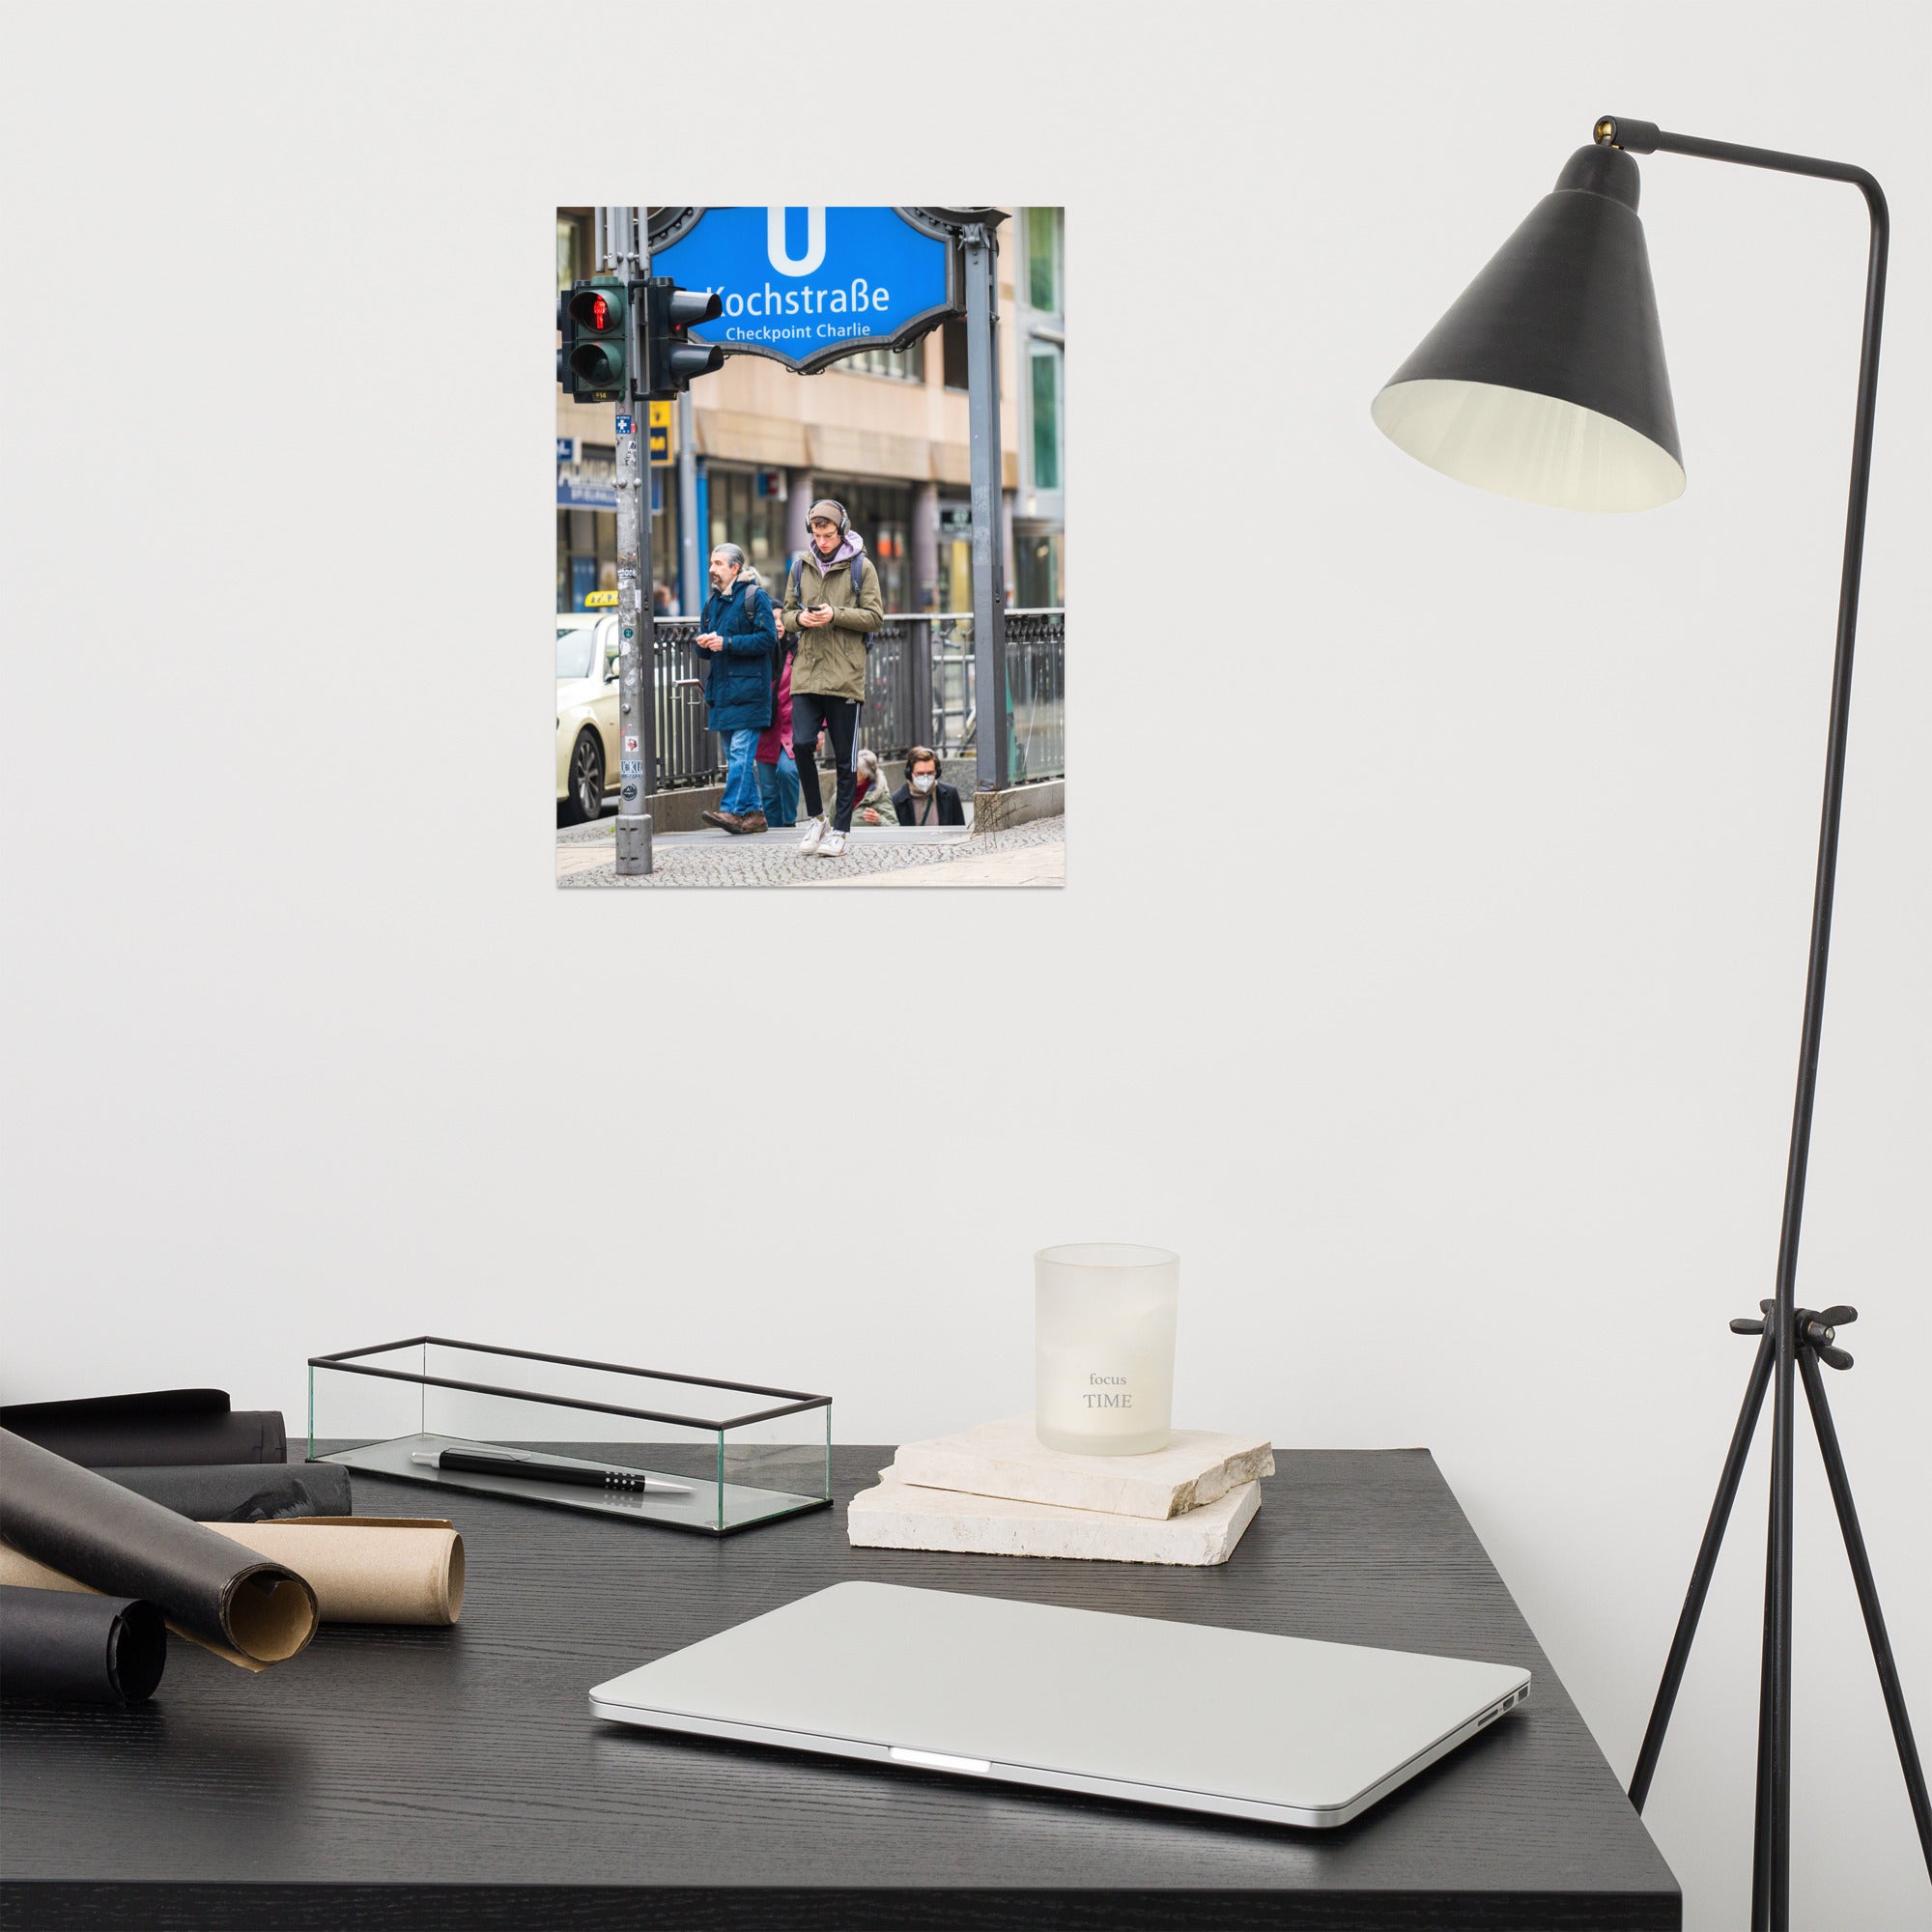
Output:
x,y
88,1532
366,1570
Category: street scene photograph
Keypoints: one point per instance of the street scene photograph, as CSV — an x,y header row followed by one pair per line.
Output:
x,y
810,547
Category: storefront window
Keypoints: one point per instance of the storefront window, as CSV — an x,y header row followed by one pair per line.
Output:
x,y
954,556
586,549
745,509
663,543
1045,416
1038,558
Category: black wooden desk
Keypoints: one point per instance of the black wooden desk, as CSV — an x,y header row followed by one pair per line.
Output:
x,y
420,1780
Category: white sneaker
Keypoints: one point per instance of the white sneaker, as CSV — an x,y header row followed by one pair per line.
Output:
x,y
831,845
814,830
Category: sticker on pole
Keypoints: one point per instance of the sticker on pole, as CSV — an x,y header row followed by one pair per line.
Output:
x,y
630,745
627,426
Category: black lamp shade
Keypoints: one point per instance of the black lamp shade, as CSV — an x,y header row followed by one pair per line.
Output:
x,y
1545,380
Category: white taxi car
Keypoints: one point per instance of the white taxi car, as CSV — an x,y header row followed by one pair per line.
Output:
x,y
586,712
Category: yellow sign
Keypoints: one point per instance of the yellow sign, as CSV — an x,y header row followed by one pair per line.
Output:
x,y
600,600
660,435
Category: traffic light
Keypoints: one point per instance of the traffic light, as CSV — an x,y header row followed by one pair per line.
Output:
x,y
592,362
674,358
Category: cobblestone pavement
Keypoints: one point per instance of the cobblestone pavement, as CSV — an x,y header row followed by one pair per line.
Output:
x,y
1026,855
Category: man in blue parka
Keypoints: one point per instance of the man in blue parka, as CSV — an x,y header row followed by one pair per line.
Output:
x,y
736,632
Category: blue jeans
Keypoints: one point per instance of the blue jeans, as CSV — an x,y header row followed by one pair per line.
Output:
x,y
778,786
741,787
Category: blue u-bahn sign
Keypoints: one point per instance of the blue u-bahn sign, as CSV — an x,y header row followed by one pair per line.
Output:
x,y
807,285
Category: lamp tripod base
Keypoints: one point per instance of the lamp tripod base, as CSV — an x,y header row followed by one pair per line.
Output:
x,y
1814,1341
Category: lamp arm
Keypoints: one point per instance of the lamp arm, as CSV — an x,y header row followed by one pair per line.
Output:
x,y
1770,1903
1646,137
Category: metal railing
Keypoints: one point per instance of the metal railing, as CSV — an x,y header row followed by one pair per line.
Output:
x,y
902,707
1036,694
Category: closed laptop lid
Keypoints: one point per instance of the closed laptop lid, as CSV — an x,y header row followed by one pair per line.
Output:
x,y
1091,1700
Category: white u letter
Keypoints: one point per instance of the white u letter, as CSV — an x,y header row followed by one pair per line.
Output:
x,y
814,241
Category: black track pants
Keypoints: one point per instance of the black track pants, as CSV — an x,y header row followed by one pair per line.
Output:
x,y
840,718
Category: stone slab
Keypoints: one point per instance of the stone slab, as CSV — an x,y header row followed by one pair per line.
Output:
x,y
997,810
1006,1458
902,1516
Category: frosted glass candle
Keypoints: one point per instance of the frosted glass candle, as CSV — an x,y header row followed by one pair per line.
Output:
x,y
1103,1347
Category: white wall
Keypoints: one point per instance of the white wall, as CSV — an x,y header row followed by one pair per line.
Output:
x,y
1450,1036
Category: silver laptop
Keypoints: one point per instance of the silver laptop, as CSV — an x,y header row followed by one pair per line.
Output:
x,y
1279,1729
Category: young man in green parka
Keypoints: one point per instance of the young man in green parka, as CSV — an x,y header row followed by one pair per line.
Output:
x,y
832,607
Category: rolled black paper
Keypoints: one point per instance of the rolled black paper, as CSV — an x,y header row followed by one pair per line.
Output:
x,y
67,1646
208,1587
243,1491
162,1426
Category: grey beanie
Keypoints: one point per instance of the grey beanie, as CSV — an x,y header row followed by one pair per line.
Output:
x,y
826,507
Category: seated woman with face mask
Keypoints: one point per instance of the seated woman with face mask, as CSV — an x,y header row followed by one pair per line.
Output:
x,y
926,798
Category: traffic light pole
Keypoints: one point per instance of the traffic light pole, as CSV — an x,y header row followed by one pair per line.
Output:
x,y
626,241
990,547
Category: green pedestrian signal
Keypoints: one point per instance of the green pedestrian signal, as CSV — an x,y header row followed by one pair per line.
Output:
x,y
593,361
672,358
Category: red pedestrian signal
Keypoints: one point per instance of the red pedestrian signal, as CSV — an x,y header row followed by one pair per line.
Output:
x,y
594,364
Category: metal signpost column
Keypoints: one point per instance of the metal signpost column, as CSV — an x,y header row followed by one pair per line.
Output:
x,y
627,253
690,566
989,587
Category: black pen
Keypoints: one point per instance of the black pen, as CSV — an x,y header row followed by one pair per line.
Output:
x,y
582,1476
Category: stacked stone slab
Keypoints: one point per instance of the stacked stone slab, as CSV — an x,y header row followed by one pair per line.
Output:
x,y
996,1490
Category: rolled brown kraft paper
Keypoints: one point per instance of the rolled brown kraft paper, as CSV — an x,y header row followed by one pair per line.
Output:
x,y
159,1425
104,1538
366,1570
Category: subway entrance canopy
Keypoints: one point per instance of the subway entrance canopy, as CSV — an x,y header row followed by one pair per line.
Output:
x,y
807,285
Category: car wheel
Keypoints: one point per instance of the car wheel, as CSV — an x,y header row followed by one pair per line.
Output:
x,y
585,798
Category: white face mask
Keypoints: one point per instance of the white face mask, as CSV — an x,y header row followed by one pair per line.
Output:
x,y
923,781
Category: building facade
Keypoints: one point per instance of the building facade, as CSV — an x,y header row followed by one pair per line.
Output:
x,y
885,433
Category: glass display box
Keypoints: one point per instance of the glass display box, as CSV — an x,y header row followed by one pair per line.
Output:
x,y
683,1452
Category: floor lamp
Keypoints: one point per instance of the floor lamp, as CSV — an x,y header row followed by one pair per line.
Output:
x,y
1545,380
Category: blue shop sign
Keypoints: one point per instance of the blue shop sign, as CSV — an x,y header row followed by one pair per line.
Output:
x,y
582,492
579,492
807,285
